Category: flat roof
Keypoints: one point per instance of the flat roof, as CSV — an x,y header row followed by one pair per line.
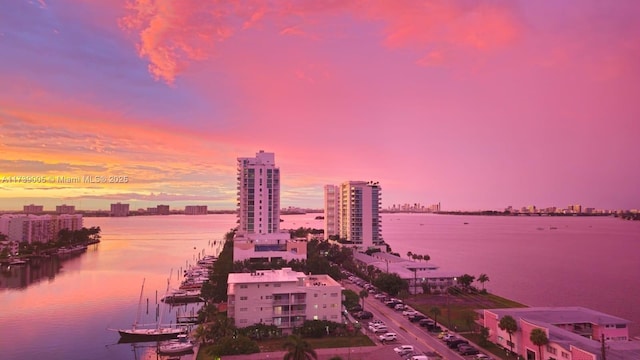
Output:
x,y
281,276
261,276
404,268
562,315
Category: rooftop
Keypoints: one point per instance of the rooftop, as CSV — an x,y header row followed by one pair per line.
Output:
x,y
562,315
404,268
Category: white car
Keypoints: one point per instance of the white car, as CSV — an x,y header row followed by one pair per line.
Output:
x,y
403,349
388,337
379,296
482,357
399,307
409,312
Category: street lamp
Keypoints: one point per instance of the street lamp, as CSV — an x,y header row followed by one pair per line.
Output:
x,y
449,301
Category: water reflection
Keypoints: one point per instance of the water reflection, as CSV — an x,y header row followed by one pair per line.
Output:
x,y
37,269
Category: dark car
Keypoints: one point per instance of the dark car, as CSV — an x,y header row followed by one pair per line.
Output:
x,y
418,317
468,350
355,308
427,323
454,344
363,315
435,329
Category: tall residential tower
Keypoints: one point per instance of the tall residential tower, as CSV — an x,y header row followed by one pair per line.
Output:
x,y
259,236
357,218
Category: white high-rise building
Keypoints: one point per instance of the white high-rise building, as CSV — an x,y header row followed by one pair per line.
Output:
x,y
358,213
331,210
259,194
259,235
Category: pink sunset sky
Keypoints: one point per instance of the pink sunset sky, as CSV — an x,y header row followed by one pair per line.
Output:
x,y
474,104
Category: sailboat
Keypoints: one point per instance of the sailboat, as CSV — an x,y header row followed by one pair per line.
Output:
x,y
148,334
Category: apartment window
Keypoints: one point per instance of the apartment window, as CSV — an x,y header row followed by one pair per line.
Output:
x,y
334,305
243,298
243,286
268,297
276,285
315,295
551,350
243,321
334,294
266,285
243,309
315,306
565,355
324,306
334,316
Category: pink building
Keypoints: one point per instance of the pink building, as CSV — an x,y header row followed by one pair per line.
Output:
x,y
574,333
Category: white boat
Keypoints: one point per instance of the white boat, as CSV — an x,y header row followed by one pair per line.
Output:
x,y
182,296
149,334
181,345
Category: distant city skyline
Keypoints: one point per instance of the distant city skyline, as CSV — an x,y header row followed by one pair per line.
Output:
x,y
474,105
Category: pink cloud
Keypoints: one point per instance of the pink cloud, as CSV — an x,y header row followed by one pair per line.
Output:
x,y
172,35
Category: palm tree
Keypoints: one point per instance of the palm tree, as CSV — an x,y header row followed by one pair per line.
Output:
x,y
539,338
298,349
435,311
508,324
426,257
409,254
363,294
483,278
420,257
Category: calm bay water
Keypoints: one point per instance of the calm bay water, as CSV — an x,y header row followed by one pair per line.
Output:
x,y
64,310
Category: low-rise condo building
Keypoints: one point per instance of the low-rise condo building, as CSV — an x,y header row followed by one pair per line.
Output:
x,y
574,333
284,298
419,275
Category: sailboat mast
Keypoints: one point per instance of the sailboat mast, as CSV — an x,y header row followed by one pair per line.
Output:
x,y
139,305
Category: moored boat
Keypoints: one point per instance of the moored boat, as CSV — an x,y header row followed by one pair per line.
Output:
x,y
179,346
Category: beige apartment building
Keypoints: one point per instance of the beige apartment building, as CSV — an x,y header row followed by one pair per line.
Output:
x,y
284,298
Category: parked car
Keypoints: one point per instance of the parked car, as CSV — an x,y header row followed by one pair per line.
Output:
x,y
355,308
434,329
426,322
376,322
481,356
381,329
417,317
363,315
373,327
379,296
387,337
403,349
409,312
399,307
454,343
468,350
442,334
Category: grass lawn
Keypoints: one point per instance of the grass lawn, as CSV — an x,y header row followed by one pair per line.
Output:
x,y
495,351
461,307
327,342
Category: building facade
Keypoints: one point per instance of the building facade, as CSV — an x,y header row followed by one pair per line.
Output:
x,y
284,298
574,333
195,210
32,209
331,210
259,236
119,209
37,228
359,220
65,209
